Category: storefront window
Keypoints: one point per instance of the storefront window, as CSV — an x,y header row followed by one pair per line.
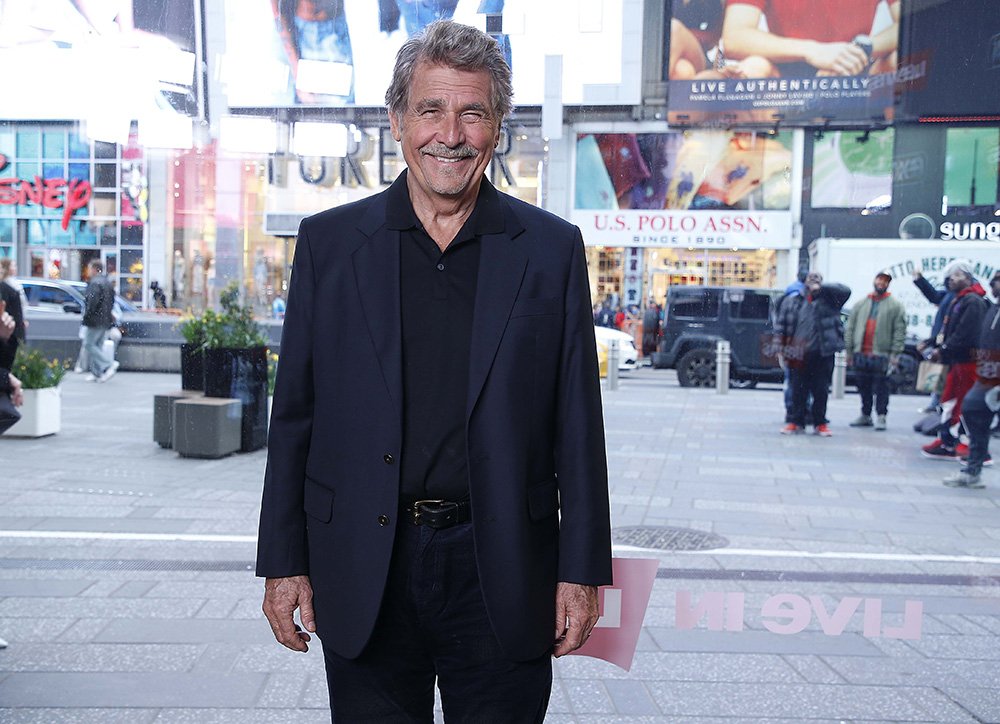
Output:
x,y
970,173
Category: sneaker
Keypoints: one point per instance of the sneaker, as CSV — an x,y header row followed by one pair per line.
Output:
x,y
938,451
109,372
987,463
962,450
880,422
90,378
823,430
862,421
791,429
962,479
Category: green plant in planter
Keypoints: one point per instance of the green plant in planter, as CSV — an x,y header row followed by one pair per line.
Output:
x,y
192,328
235,326
36,371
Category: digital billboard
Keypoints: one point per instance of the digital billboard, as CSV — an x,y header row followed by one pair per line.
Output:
x,y
852,170
785,61
711,189
70,59
282,53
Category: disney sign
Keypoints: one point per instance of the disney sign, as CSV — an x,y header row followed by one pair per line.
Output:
x,y
52,193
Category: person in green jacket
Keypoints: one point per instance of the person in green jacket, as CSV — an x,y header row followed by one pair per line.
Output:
x,y
874,339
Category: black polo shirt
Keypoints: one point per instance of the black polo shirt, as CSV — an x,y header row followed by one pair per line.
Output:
x,y
438,295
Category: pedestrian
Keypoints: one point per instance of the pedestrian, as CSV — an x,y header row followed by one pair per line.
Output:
x,y
159,296
437,498
875,338
12,297
955,347
650,328
809,332
983,400
940,298
11,396
98,319
795,289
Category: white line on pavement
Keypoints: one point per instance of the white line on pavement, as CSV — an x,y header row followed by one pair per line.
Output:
x,y
750,552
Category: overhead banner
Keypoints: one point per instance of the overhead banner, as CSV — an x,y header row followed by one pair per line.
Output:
x,y
694,189
781,61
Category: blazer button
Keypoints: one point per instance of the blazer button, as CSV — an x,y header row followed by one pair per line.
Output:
x,y
388,459
383,520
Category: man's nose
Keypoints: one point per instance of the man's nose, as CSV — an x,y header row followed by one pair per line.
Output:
x,y
451,132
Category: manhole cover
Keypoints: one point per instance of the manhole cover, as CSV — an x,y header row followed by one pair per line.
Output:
x,y
664,538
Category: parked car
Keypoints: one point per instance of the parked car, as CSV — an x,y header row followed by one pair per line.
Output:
x,y
697,317
628,355
63,295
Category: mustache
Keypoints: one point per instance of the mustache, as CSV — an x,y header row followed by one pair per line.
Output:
x,y
439,149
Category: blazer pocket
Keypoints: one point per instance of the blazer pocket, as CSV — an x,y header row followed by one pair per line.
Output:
x,y
318,501
532,307
543,500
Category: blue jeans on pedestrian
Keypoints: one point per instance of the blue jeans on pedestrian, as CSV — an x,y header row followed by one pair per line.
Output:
x,y
977,418
93,342
433,624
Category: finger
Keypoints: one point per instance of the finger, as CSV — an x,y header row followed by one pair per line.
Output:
x,y
560,620
307,614
3,306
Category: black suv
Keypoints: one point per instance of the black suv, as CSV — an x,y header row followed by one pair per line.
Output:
x,y
697,317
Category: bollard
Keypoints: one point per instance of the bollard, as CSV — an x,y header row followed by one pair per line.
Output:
x,y
722,358
839,374
613,364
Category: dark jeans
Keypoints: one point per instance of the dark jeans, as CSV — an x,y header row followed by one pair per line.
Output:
x,y
810,376
433,623
873,384
977,418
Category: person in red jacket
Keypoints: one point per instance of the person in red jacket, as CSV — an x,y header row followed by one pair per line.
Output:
x,y
959,337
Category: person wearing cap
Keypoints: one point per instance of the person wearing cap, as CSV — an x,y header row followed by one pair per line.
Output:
x,y
874,339
956,344
942,299
983,400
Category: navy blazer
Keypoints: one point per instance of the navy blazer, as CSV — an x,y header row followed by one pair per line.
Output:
x,y
536,452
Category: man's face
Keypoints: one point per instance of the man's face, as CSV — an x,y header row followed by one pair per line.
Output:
x,y
958,280
995,286
447,132
813,281
881,284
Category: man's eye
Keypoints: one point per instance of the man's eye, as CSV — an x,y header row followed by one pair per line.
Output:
x,y
472,116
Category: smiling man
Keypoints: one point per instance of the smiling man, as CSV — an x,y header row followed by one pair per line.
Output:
x,y
435,505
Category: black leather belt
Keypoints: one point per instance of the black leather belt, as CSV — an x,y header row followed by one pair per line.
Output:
x,y
438,514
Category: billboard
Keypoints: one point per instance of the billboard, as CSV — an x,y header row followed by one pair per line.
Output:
x,y
787,61
852,170
282,53
700,189
79,59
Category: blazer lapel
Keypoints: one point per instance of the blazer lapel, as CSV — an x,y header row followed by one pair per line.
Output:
x,y
376,273
501,269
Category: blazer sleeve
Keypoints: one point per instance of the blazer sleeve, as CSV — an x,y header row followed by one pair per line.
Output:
x,y
281,543
581,458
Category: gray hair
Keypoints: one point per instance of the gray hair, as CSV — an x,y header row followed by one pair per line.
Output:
x,y
456,46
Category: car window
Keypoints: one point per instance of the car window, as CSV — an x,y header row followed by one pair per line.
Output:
x,y
695,304
746,304
53,295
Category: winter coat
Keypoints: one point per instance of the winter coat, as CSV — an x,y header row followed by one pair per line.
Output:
x,y
828,300
890,326
962,324
988,352
941,298
99,301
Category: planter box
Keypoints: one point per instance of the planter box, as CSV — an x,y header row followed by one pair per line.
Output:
x,y
241,374
41,414
192,367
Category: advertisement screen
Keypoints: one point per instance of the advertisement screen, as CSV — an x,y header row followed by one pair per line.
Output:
x,y
852,170
787,61
282,53
79,58
692,189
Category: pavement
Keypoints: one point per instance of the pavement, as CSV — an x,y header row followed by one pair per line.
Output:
x,y
846,583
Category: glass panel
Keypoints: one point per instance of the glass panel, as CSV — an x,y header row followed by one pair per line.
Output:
x,y
78,147
131,234
7,231
970,167
105,175
27,170
104,150
80,171
109,233
6,252
36,231
110,263
853,170
86,233
131,261
27,143
104,204
130,288
53,295
749,305
696,304
53,170
54,144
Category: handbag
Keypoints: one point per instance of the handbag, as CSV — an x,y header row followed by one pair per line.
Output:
x,y
8,413
929,376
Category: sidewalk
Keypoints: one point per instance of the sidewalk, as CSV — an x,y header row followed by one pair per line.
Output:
x,y
127,592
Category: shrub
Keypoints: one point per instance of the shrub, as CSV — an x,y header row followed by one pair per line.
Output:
x,y
36,371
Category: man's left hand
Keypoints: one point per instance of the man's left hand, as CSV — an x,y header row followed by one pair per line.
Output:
x,y
576,616
16,393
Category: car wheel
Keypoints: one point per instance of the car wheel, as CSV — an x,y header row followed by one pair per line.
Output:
x,y
696,368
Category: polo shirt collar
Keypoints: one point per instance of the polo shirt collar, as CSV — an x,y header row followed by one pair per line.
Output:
x,y
487,216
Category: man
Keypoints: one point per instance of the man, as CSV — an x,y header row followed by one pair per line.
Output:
x,y
12,298
98,318
874,339
809,38
436,499
808,331
10,386
981,402
795,289
956,346
651,327
940,298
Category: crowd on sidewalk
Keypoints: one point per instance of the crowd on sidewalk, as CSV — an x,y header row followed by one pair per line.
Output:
x,y
964,341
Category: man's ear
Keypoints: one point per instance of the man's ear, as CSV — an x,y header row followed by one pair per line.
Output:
x,y
395,126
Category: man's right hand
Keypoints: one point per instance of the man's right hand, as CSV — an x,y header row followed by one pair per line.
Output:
x,y
838,58
7,324
281,597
